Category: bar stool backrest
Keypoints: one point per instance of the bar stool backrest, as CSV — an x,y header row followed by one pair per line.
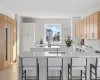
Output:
x,y
29,61
79,62
98,62
54,61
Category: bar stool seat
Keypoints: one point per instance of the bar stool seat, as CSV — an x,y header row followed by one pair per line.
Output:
x,y
54,68
29,67
78,68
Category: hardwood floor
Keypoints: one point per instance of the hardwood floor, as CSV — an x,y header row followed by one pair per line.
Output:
x,y
10,73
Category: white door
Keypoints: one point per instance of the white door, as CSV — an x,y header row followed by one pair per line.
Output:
x,y
27,36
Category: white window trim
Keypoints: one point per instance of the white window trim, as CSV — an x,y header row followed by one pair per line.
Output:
x,y
60,34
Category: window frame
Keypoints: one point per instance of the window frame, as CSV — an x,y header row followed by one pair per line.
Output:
x,y
45,25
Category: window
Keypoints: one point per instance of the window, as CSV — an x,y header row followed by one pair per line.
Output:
x,y
53,33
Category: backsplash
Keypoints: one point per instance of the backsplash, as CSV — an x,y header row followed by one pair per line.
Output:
x,y
95,44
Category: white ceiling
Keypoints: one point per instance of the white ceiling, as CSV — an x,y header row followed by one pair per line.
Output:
x,y
51,8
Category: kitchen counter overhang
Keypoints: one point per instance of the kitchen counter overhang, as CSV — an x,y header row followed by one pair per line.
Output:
x,y
71,55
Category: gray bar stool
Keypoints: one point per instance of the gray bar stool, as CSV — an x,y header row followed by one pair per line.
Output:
x,y
55,65
95,70
79,65
29,64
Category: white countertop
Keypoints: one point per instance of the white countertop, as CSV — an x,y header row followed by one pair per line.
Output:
x,y
86,49
45,46
47,54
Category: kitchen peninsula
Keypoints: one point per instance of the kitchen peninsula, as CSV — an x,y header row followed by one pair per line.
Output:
x,y
42,57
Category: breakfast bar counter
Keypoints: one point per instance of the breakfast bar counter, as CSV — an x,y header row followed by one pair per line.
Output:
x,y
62,54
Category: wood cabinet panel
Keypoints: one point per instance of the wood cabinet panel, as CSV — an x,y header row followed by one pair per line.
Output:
x,y
80,31
1,45
76,30
85,29
7,42
88,27
82,28
95,25
99,25
91,27
5,18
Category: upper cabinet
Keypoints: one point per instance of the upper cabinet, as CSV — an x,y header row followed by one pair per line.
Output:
x,y
89,27
96,25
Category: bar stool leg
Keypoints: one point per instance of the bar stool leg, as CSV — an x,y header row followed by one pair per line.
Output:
x,y
47,68
90,72
60,74
81,74
68,72
96,73
85,75
71,73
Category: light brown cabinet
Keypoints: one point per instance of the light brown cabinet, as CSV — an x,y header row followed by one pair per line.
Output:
x,y
85,29
89,27
7,41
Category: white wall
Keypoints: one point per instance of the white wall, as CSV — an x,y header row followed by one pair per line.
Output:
x,y
74,20
19,20
95,44
7,12
40,27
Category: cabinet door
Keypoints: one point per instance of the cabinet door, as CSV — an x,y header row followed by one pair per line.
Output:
x,y
9,43
80,33
76,30
91,27
5,18
95,25
82,29
5,45
85,29
88,27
